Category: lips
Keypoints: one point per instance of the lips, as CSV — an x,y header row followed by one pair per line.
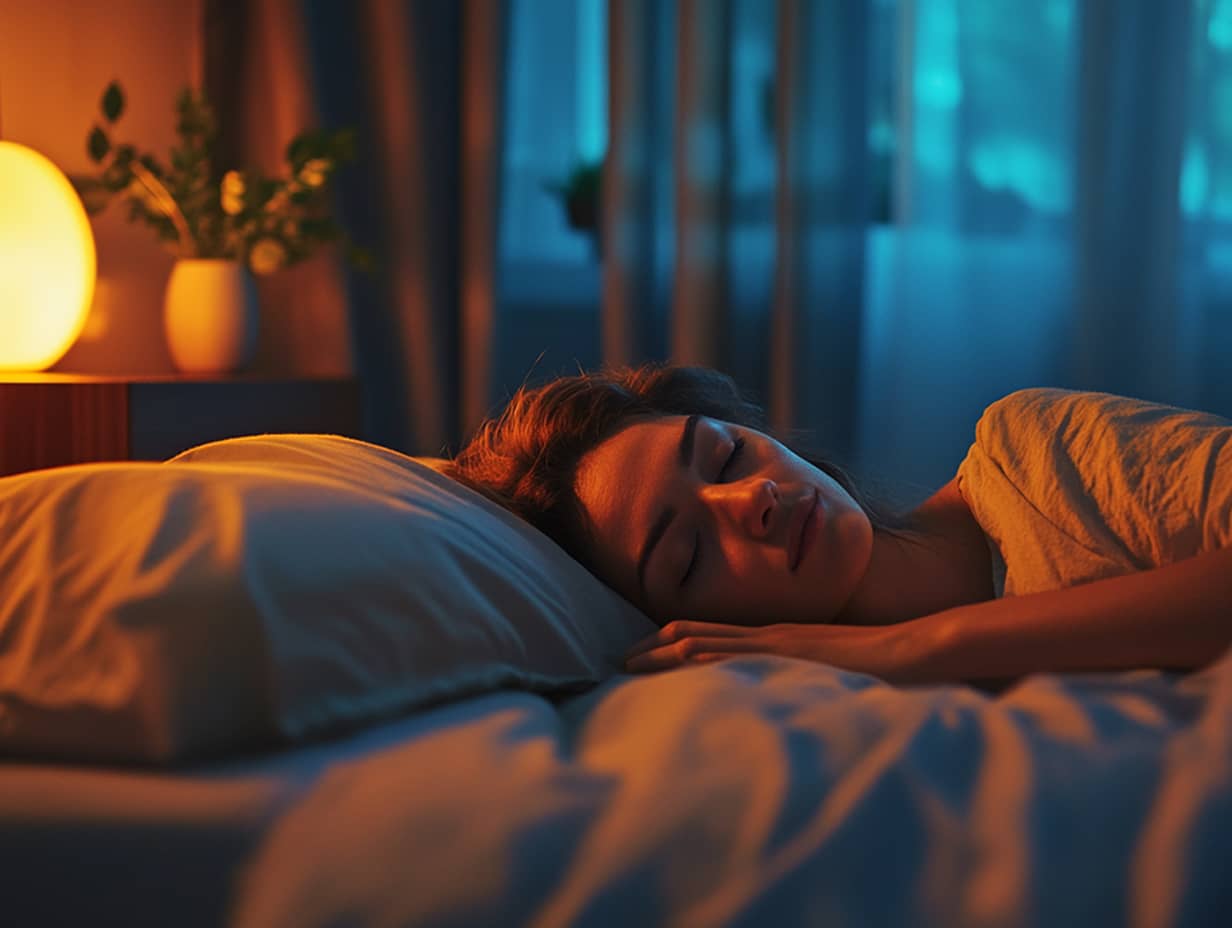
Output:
x,y
799,529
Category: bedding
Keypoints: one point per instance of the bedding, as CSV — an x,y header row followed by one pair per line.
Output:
x,y
758,791
275,587
1072,487
88,845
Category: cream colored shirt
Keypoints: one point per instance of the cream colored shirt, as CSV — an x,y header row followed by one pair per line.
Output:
x,y
1071,487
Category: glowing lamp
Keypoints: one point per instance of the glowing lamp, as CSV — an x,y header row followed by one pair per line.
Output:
x,y
47,261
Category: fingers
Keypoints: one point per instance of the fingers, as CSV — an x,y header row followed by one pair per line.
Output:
x,y
676,631
701,650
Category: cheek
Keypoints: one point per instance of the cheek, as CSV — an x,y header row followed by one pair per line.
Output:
x,y
746,563
746,581
851,538
615,570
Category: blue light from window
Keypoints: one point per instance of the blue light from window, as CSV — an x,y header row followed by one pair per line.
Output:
x,y
591,79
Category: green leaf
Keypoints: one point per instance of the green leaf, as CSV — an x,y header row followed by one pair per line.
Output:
x,y
98,145
113,101
117,177
586,179
94,196
135,210
185,102
260,189
299,149
151,164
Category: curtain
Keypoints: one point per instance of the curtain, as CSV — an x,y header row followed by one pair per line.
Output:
x,y
972,285
878,215
736,198
958,198
824,203
421,82
253,66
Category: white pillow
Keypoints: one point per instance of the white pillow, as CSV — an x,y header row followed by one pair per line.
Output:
x,y
275,586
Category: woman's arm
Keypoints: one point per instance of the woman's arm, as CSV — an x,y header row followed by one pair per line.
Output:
x,y
1175,617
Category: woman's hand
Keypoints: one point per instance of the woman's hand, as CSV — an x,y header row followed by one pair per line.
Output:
x,y
885,651
1177,617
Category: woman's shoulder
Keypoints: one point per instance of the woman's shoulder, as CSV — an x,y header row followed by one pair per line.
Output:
x,y
1066,477
1034,397
1077,418
1050,403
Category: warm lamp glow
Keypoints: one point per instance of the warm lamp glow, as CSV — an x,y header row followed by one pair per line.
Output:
x,y
47,261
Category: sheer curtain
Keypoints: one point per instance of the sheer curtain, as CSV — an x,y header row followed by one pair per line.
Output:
x,y
879,215
1204,341
935,203
971,287
736,197
1057,218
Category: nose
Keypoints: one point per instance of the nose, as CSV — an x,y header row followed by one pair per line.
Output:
x,y
747,503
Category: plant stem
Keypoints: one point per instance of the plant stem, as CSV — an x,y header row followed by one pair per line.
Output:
x,y
167,204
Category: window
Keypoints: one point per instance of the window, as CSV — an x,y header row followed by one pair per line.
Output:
x,y
556,120
1206,174
989,100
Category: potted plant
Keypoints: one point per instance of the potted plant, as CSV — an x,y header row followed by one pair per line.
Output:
x,y
222,226
581,195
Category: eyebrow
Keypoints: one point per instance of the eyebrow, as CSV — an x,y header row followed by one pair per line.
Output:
x,y
661,524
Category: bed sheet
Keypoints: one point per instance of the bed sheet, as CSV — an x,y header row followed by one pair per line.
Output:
x,y
758,791
92,845
770,791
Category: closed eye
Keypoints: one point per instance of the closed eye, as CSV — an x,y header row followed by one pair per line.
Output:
x,y
732,459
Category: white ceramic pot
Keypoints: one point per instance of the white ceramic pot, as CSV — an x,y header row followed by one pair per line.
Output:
x,y
210,315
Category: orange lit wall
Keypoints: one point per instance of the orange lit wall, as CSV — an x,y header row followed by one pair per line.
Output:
x,y
56,56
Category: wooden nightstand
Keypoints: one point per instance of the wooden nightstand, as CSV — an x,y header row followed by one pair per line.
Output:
x,y
47,420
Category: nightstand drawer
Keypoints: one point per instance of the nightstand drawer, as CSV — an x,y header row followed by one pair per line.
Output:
x,y
51,420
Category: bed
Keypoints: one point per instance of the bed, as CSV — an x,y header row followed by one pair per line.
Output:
x,y
758,791
220,736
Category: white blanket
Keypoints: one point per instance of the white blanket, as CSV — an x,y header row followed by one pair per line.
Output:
x,y
769,791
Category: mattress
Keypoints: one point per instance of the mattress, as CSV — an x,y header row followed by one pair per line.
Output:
x,y
761,790
96,845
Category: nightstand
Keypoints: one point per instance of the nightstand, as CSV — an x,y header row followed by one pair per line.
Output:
x,y
47,420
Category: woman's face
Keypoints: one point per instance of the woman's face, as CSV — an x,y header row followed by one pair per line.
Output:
x,y
696,518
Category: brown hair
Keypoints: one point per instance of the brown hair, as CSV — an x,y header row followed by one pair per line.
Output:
x,y
526,459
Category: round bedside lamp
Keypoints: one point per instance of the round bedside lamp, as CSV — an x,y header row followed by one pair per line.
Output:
x,y
47,261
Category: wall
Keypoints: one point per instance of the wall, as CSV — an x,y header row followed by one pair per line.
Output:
x,y
56,56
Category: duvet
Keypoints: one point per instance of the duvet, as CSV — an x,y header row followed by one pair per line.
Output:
x,y
770,791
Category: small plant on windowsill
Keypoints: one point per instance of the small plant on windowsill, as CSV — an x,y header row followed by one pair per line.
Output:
x,y
581,196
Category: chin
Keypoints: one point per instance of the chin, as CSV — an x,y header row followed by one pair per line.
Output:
x,y
849,549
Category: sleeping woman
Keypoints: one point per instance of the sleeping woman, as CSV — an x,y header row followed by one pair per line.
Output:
x,y
1082,531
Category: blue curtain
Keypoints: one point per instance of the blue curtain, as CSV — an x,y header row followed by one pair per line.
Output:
x,y
1052,229
736,197
972,283
881,216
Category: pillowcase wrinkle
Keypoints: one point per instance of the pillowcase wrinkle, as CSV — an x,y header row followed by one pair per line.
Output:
x,y
274,588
